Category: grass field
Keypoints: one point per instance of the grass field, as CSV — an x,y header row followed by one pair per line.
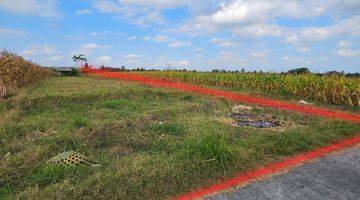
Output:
x,y
151,143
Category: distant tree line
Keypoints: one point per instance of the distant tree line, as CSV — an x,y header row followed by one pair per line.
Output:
x,y
295,71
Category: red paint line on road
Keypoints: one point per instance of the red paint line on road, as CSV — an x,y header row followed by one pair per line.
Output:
x,y
282,105
272,168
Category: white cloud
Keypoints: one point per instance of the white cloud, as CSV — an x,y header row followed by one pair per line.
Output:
x,y
294,60
137,59
94,34
90,47
148,19
165,61
243,12
146,38
132,38
8,31
103,59
259,11
40,50
133,12
344,44
184,63
302,49
259,54
44,54
55,58
42,8
226,59
159,4
258,18
350,26
176,44
148,12
132,56
106,6
198,49
348,53
161,38
248,17
259,30
223,42
84,12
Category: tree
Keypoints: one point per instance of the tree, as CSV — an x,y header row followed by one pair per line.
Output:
x,y
79,58
297,71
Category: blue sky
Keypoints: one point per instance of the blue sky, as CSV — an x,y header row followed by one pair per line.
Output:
x,y
263,35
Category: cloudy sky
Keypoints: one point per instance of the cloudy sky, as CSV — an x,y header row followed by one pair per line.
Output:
x,y
269,35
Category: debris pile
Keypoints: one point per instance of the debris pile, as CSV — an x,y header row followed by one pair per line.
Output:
x,y
241,116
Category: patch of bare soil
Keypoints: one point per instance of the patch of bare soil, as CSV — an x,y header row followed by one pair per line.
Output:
x,y
242,116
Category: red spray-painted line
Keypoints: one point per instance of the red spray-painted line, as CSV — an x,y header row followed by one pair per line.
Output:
x,y
322,112
272,168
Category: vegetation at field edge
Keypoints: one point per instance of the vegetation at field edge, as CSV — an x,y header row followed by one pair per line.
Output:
x,y
334,89
16,72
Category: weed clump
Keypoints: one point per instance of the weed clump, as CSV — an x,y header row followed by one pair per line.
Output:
x,y
80,122
211,148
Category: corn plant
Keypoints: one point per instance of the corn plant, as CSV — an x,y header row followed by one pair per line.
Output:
x,y
15,72
330,89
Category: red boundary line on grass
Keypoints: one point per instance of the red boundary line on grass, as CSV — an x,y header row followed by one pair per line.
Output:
x,y
270,169
260,172
282,105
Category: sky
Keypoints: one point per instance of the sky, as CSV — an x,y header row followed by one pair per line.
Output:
x,y
267,35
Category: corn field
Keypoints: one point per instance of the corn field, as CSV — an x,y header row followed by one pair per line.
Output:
x,y
15,72
330,89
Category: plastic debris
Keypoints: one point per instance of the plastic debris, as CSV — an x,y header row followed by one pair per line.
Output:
x,y
305,102
72,158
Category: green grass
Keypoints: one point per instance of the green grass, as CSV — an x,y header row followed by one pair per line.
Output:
x,y
151,143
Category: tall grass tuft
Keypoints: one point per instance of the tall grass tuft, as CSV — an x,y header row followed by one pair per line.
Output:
x,y
211,147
